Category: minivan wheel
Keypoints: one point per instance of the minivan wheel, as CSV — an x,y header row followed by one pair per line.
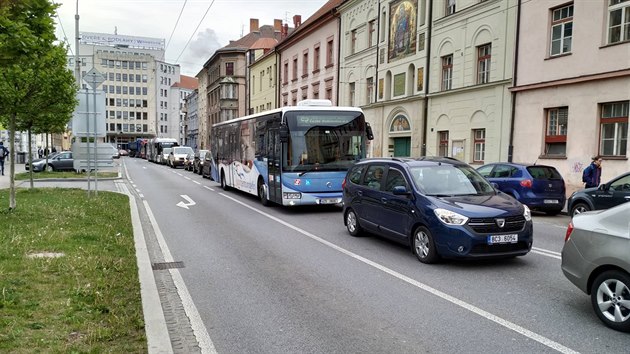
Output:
x,y
424,246
579,208
610,297
352,223
223,183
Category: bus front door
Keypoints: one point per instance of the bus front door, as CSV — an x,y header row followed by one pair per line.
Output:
x,y
273,165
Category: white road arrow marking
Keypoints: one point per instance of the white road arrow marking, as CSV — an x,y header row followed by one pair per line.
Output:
x,y
186,205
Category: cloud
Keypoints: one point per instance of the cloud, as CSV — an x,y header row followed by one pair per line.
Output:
x,y
202,48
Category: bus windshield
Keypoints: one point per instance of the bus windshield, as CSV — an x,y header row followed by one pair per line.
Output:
x,y
324,140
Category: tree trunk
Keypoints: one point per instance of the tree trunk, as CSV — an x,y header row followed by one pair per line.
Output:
x,y
30,158
12,202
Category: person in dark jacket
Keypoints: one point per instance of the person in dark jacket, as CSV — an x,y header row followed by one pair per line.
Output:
x,y
4,152
593,173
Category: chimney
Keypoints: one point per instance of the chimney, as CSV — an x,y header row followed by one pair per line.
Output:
x,y
277,25
297,21
285,31
253,25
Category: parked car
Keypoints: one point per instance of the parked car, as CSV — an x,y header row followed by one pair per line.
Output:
x,y
164,157
607,195
188,162
539,187
60,161
115,153
177,155
596,258
206,168
440,207
198,162
123,152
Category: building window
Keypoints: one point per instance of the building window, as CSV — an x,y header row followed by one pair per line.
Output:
x,y
285,73
369,90
329,53
614,129
479,141
447,72
371,31
316,59
556,134
618,21
228,91
353,41
443,143
229,69
295,69
561,30
351,93
305,64
483,63
450,7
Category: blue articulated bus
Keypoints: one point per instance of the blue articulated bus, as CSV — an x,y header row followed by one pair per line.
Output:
x,y
290,156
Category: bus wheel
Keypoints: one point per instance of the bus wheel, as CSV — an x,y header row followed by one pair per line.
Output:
x,y
223,183
262,193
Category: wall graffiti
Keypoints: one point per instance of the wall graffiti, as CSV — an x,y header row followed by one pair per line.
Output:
x,y
577,167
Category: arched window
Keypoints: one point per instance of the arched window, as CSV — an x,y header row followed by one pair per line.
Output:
x,y
400,124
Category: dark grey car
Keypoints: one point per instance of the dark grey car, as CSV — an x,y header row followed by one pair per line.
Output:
x,y
596,258
61,161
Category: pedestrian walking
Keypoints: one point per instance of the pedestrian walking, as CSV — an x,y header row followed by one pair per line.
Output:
x,y
40,152
4,152
592,174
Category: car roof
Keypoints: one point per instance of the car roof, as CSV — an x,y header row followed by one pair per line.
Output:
x,y
416,162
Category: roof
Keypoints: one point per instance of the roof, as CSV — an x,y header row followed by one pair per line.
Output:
x,y
327,8
264,43
187,82
247,41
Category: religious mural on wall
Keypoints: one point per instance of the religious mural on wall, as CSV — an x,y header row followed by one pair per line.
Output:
x,y
400,124
402,28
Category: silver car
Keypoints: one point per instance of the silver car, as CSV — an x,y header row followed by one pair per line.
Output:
x,y
596,258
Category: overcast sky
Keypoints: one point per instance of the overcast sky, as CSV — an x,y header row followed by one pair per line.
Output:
x,y
225,20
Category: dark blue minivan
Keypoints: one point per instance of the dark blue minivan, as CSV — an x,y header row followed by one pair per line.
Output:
x,y
440,207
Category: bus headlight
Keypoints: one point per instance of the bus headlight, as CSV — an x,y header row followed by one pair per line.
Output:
x,y
291,195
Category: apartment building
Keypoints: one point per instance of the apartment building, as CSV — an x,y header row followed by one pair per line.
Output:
x,y
167,122
191,120
263,74
309,59
572,86
471,66
128,64
177,100
223,80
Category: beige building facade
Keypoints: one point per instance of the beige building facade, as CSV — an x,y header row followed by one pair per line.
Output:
x,y
263,75
573,86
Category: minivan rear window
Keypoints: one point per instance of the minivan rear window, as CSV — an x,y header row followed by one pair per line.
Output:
x,y
543,172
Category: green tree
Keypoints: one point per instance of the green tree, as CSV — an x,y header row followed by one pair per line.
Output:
x,y
37,91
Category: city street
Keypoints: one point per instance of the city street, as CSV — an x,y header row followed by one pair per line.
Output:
x,y
276,279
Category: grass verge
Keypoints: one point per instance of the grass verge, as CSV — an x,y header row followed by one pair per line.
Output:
x,y
87,300
62,174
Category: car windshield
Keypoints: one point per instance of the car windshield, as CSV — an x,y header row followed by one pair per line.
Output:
x,y
543,172
182,150
450,180
202,153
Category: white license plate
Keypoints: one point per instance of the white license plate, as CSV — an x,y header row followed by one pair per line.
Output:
x,y
492,239
551,201
329,201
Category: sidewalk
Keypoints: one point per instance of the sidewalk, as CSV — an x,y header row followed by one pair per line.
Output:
x,y
4,180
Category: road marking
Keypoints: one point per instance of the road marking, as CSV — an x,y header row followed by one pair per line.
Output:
x,y
199,329
197,182
186,205
474,309
548,253
188,178
208,188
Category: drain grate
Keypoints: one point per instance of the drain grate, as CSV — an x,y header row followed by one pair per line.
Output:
x,y
167,265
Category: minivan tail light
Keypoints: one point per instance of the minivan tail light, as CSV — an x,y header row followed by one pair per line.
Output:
x,y
343,184
527,183
569,231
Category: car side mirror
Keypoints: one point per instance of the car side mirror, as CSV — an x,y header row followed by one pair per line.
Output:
x,y
400,190
369,132
602,187
494,185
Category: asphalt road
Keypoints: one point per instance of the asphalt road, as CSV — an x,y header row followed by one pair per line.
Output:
x,y
279,280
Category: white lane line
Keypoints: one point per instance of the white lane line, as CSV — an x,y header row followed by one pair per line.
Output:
x,y
485,314
197,182
208,188
199,329
188,178
548,253
141,195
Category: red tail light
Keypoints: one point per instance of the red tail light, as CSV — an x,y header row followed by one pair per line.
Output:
x,y
569,231
343,184
527,183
